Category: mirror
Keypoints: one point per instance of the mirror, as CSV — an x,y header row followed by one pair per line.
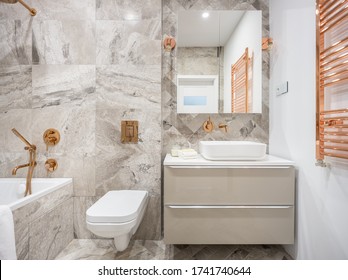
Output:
x,y
219,62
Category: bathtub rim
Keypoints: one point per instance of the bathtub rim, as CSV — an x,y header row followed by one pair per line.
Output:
x,y
61,182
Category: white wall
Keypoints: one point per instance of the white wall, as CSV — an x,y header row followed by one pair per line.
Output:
x,y
322,193
248,33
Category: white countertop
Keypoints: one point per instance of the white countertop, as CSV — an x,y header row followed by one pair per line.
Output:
x,y
268,161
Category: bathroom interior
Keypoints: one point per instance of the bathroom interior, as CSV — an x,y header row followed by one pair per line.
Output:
x,y
123,136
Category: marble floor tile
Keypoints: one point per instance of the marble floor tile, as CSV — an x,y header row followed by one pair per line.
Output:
x,y
84,249
103,249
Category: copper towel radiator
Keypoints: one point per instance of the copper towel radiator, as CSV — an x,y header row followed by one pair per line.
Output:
x,y
332,79
241,100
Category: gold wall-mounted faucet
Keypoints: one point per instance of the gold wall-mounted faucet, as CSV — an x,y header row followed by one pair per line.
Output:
x,y
223,126
32,162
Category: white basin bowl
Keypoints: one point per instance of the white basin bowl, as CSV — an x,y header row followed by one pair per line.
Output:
x,y
232,150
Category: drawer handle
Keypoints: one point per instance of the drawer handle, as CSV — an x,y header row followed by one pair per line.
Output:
x,y
229,206
228,166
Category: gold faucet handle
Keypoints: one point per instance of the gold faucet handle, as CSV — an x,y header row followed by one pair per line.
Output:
x,y
223,126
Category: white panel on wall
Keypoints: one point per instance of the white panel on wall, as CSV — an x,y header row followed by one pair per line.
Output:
x,y
198,94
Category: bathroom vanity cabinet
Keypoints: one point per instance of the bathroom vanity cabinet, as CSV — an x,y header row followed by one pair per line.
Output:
x,y
229,202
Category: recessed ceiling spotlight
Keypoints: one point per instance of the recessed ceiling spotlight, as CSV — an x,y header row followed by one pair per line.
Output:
x,y
205,15
131,17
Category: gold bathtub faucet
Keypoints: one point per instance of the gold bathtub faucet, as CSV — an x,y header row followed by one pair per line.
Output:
x,y
32,162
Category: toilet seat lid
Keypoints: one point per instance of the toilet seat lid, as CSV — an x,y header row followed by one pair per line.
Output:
x,y
117,207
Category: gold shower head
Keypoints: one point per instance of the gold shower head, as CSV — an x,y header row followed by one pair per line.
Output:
x,y
32,11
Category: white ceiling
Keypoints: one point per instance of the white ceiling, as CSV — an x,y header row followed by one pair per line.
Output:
x,y
196,31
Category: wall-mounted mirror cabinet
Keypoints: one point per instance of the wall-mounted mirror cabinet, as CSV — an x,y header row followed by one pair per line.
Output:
x,y
219,62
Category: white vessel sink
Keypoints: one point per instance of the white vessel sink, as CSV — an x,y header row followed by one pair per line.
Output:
x,y
232,150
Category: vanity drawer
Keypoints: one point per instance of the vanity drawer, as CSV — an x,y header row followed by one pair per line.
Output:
x,y
237,186
228,226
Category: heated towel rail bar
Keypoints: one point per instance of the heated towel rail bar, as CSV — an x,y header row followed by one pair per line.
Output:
x,y
332,80
240,88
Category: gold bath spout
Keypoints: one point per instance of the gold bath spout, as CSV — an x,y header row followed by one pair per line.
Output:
x,y
14,170
223,126
32,162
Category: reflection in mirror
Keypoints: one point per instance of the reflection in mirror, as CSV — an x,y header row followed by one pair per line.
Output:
x,y
219,62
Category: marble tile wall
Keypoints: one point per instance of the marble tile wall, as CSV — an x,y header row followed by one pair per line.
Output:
x,y
44,227
197,61
186,129
81,67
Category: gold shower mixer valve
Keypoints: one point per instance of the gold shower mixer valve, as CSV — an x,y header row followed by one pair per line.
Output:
x,y
51,137
51,165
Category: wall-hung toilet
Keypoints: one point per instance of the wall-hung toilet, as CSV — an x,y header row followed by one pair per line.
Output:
x,y
117,215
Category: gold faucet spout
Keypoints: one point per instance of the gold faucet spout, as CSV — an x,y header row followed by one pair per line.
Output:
x,y
223,126
14,170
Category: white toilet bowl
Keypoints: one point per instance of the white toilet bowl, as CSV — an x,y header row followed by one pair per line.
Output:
x,y
117,215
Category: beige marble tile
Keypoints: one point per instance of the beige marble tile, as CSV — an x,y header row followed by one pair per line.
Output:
x,y
128,42
50,201
14,11
64,42
150,227
51,233
19,119
65,9
15,87
76,125
128,10
8,160
84,249
56,85
15,42
81,204
197,61
128,93
21,217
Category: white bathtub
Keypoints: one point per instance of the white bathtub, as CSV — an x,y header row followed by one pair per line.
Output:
x,y
12,190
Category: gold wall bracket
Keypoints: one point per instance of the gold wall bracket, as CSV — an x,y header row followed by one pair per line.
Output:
x,y
169,43
267,43
51,137
129,132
